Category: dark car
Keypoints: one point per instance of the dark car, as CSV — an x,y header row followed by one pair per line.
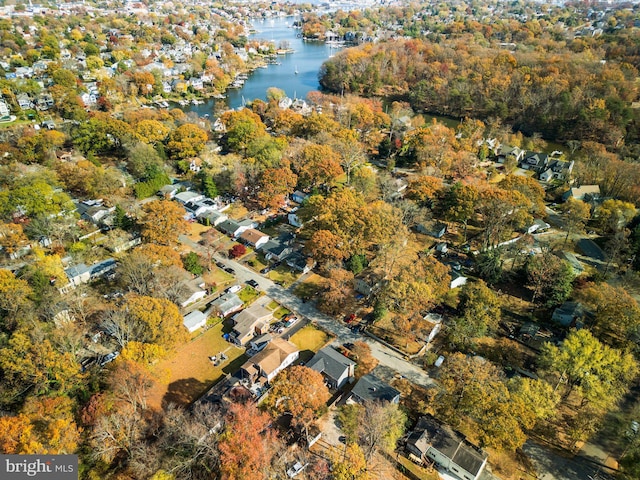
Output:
x,y
230,270
220,265
266,269
252,283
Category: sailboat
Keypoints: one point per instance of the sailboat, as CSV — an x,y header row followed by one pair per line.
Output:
x,y
296,70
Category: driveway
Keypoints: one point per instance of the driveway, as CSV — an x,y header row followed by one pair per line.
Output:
x,y
387,358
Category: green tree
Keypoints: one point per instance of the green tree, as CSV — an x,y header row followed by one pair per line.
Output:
x,y
459,204
550,278
598,373
191,263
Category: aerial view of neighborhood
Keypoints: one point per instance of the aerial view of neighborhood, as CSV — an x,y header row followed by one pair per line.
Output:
x,y
332,240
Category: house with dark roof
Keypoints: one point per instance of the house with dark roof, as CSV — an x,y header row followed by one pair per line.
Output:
x,y
432,441
276,250
534,161
371,389
570,314
334,367
301,263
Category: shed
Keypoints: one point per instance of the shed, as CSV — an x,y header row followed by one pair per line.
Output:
x,y
195,320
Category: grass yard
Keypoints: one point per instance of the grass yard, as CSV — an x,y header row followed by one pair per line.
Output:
x,y
236,211
217,277
278,310
309,340
196,229
248,294
257,262
283,276
188,373
405,464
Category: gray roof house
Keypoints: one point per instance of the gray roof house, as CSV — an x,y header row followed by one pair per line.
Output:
x,y
371,389
569,314
227,304
194,320
275,250
435,442
335,367
249,323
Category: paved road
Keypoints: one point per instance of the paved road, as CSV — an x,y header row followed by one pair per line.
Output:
x,y
551,465
387,358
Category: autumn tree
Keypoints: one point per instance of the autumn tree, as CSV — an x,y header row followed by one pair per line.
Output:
x,y
459,204
163,222
14,292
247,444
616,314
502,212
529,187
338,292
300,392
381,426
241,128
237,250
549,277
350,465
151,131
361,351
318,165
275,186
613,215
599,374
575,214
424,190
324,247
480,310
186,141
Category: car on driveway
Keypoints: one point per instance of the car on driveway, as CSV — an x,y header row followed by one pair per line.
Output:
x,y
290,320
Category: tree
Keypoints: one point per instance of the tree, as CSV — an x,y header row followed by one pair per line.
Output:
x,y
318,165
338,292
275,185
598,373
502,212
191,263
575,214
241,128
613,215
163,222
352,156
300,392
480,310
366,361
550,278
324,247
14,292
529,187
158,319
101,134
186,141
151,131
237,251
247,444
459,204
424,190
381,426
616,313
351,465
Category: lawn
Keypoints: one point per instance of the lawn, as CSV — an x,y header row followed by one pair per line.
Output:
x,y
405,464
283,276
257,262
217,277
196,230
309,287
188,373
309,340
248,294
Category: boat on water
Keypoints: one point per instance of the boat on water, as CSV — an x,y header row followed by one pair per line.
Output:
x,y
296,71
183,103
195,101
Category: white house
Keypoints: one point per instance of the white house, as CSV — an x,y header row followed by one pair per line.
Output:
x,y
195,320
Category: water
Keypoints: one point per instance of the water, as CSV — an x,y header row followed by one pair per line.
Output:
x,y
306,58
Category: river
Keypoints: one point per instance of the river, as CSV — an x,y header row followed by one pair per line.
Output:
x,y
306,60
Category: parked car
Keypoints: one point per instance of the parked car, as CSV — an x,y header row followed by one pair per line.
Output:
x,y
229,270
265,270
290,320
252,283
350,318
234,288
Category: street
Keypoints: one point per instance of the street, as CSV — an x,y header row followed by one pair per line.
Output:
x,y
387,358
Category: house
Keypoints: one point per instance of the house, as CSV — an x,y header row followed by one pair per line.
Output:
x,y
227,304
251,321
254,238
371,389
275,357
259,343
44,102
123,243
442,247
505,152
366,283
24,101
169,191
299,196
569,314
274,250
591,249
194,320
186,197
538,225
432,441
200,207
235,229
586,193
557,170
457,279
299,262
93,211
334,367
293,219
212,218
4,109
194,291
434,229
79,274
534,161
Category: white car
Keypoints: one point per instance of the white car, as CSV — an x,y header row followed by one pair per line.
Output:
x,y
234,288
